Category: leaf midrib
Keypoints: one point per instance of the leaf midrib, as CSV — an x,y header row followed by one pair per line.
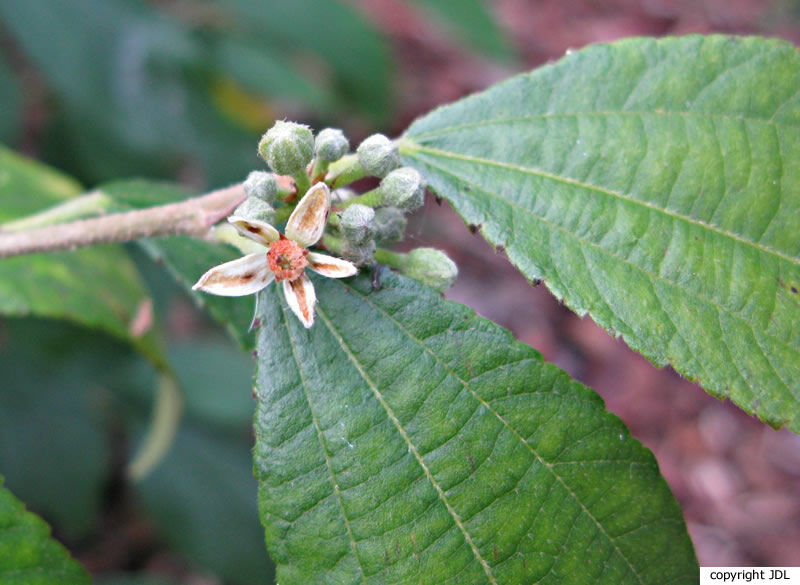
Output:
x,y
757,390
486,405
604,191
321,439
411,447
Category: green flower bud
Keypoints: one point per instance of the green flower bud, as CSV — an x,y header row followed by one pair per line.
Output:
x,y
287,147
430,266
261,185
378,155
331,144
390,224
403,188
359,254
255,208
357,224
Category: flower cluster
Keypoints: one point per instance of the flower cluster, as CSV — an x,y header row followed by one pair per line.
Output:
x,y
309,165
285,260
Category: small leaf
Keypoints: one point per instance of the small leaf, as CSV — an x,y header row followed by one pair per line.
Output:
x,y
28,555
403,439
654,185
96,287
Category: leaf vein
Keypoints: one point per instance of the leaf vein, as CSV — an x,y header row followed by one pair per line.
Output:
x,y
605,191
321,438
400,429
513,430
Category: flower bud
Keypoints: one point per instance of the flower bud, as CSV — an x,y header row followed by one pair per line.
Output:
x,y
359,254
390,224
358,223
431,267
287,147
378,155
262,185
255,208
403,188
331,144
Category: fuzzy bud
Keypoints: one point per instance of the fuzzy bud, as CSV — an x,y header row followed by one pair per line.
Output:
x,y
358,223
287,147
378,155
403,188
331,144
359,254
390,224
255,208
432,267
261,185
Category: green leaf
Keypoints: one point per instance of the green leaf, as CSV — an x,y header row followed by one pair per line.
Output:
x,y
654,185
472,22
333,34
28,556
403,439
96,287
52,380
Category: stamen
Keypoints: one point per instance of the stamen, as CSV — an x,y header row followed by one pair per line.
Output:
x,y
286,259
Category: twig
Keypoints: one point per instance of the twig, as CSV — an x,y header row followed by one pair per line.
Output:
x,y
191,217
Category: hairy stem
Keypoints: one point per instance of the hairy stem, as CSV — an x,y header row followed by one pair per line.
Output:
x,y
192,217
87,205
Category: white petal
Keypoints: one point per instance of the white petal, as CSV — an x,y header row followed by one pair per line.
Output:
x,y
244,276
307,222
260,231
330,266
301,298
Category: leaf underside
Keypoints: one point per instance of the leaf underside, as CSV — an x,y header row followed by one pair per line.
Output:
x,y
28,556
403,439
654,185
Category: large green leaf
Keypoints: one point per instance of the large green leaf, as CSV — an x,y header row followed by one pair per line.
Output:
x,y
403,439
653,184
28,556
53,383
96,287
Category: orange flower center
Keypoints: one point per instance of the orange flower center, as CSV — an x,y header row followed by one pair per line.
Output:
x,y
286,259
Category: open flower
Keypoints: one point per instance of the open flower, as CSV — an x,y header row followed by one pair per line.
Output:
x,y
286,259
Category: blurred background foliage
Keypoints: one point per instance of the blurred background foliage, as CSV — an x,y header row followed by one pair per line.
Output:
x,y
181,90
